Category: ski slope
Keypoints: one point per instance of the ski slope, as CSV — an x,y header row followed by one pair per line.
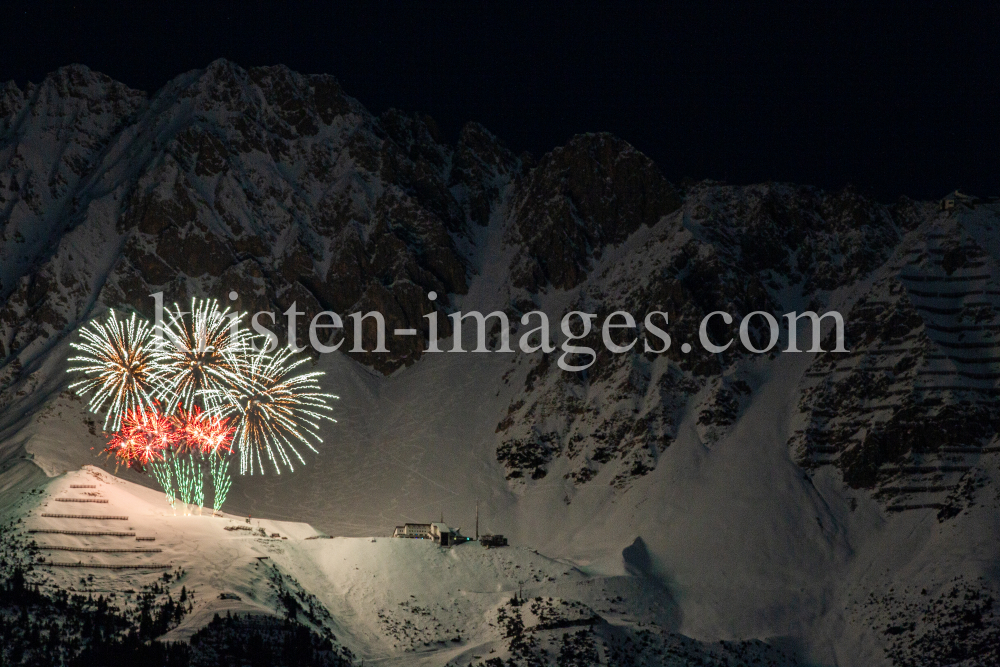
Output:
x,y
390,601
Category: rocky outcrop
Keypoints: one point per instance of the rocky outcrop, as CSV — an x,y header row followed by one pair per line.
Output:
x,y
912,409
280,187
262,181
773,248
591,193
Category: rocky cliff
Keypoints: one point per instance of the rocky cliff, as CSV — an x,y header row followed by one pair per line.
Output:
x,y
281,187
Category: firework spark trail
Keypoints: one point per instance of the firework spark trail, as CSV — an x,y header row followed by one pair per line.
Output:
x,y
198,485
203,435
220,481
247,397
192,353
202,432
128,450
173,448
272,410
187,472
144,437
116,358
164,475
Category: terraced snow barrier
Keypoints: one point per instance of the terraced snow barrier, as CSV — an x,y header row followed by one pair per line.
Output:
x,y
138,550
150,566
85,516
92,533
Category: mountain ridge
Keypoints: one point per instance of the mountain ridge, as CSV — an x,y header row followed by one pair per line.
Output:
x,y
284,189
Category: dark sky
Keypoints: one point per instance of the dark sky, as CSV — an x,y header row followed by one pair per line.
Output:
x,y
894,101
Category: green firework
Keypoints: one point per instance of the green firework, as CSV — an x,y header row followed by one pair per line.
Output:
x,y
164,475
188,472
220,481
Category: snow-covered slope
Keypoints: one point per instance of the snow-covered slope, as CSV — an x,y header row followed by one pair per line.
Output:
x,y
387,601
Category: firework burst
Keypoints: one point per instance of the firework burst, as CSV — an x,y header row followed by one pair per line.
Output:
x,y
144,437
199,355
204,433
274,410
185,401
116,359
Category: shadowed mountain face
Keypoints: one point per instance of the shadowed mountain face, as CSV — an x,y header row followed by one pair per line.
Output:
x,y
280,187
264,181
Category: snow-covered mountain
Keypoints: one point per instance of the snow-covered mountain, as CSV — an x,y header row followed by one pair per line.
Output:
x,y
395,602
840,506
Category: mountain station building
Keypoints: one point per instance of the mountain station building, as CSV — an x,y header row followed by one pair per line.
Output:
x,y
440,532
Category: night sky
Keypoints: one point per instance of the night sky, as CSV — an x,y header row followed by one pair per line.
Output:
x,y
893,101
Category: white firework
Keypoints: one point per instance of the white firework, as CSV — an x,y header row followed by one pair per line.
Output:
x,y
116,359
273,410
192,354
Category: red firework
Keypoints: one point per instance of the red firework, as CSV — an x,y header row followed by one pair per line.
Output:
x,y
144,436
202,433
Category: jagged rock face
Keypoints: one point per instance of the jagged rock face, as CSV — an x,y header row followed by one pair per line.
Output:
x,y
771,248
798,235
481,168
53,137
280,187
593,192
262,181
914,406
